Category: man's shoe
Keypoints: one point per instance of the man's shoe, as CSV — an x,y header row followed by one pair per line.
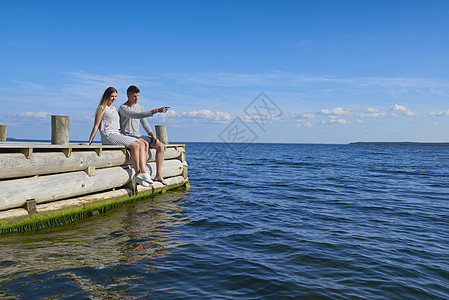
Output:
x,y
141,182
145,177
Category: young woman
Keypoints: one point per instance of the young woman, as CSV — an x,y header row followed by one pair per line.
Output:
x,y
107,120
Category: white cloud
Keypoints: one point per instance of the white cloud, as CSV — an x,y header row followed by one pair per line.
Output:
x,y
336,121
308,115
397,107
203,115
41,114
304,123
339,111
170,113
402,109
222,116
297,115
27,118
440,113
371,113
336,111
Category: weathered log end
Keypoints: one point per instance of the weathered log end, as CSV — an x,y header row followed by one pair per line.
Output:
x,y
184,171
90,171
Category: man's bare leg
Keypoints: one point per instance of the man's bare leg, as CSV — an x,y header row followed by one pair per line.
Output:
x,y
160,148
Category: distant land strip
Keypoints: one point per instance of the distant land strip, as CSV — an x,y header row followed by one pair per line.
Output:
x,y
400,143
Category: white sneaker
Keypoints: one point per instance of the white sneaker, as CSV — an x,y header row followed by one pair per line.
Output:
x,y
145,177
140,181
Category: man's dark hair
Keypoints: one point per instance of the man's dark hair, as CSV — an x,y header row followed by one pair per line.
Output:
x,y
132,89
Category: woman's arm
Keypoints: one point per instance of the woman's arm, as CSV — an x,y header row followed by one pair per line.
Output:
x,y
98,118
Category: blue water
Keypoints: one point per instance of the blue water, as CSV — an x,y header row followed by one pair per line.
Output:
x,y
261,221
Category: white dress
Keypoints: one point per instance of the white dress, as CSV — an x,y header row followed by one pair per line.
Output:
x,y
110,131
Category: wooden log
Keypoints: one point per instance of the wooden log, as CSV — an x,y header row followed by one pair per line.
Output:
x,y
170,153
104,196
14,165
59,186
172,181
60,130
13,214
83,200
3,133
17,165
170,168
161,134
47,188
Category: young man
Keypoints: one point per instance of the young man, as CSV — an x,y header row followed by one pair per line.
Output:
x,y
131,113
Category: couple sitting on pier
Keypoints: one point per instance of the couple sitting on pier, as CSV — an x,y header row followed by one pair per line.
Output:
x,y
122,128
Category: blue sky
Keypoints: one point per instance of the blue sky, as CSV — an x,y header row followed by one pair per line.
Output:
x,y
332,71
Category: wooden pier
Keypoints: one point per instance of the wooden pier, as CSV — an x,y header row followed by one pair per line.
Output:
x,y
40,178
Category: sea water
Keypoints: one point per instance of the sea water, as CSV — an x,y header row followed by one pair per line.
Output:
x,y
263,221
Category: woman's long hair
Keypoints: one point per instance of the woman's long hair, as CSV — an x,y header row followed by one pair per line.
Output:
x,y
104,99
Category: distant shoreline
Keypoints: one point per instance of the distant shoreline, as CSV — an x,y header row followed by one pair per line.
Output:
x,y
400,143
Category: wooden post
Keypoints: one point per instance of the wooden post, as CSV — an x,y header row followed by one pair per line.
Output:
x,y
161,134
30,206
59,130
2,133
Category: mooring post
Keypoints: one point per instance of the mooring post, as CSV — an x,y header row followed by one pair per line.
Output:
x,y
59,130
161,134
2,133
30,206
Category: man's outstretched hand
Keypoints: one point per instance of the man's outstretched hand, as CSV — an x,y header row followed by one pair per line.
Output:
x,y
163,109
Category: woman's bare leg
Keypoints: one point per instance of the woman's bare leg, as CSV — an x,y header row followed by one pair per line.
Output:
x,y
134,149
143,155
139,159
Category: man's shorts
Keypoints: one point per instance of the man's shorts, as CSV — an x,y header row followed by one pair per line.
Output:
x,y
147,138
